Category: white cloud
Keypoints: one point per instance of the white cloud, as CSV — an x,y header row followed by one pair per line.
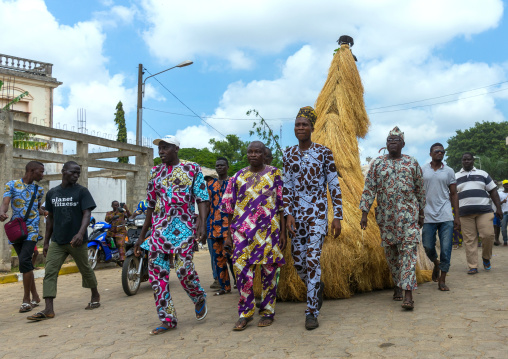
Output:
x,y
395,44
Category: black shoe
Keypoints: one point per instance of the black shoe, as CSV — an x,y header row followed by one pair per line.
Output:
x,y
311,322
320,295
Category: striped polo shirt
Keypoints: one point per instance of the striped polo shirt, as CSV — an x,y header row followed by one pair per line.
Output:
x,y
473,187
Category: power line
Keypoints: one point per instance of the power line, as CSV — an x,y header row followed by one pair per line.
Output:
x,y
438,103
152,128
217,118
434,98
160,83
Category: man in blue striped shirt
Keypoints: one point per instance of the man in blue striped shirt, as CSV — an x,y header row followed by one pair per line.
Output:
x,y
474,187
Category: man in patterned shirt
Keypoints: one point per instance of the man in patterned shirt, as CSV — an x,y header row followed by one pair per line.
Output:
x,y
397,182
19,193
309,169
172,190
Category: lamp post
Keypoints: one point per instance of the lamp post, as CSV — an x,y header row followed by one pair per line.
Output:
x,y
141,94
479,160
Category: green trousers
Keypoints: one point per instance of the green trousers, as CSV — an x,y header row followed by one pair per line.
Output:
x,y
54,261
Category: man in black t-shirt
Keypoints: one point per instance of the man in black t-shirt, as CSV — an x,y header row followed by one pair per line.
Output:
x,y
70,206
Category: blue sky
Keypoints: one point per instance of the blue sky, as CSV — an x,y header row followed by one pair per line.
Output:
x,y
271,56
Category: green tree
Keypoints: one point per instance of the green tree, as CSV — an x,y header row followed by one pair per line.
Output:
x,y
486,140
266,135
122,129
234,149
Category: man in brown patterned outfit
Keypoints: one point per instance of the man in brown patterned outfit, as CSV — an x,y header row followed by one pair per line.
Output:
x,y
309,169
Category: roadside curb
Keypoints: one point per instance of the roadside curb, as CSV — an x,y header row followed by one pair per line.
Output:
x,y
18,277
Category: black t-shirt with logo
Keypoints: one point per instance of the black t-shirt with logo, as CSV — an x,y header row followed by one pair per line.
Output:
x,y
67,206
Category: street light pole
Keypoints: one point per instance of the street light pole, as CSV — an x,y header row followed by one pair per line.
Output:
x,y
139,117
141,93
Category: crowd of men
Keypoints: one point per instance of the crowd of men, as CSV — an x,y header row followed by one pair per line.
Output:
x,y
246,220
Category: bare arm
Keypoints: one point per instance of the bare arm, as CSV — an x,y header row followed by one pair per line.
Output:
x,y
49,233
497,201
77,240
454,198
144,230
4,208
203,209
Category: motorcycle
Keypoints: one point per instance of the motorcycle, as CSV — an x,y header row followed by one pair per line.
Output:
x,y
101,248
135,269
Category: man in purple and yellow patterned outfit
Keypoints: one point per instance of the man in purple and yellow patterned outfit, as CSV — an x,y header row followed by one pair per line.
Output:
x,y
397,182
173,188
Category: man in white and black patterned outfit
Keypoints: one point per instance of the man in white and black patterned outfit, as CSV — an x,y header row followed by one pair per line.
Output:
x,y
309,169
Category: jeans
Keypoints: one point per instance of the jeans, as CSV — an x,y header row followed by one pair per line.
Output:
x,y
504,222
445,230
209,243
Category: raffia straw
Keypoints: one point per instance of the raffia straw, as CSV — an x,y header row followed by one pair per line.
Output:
x,y
354,262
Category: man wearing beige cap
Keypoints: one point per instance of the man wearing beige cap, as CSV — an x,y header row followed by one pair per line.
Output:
x,y
173,189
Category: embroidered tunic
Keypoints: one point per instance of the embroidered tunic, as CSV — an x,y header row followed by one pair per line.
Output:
x,y
398,186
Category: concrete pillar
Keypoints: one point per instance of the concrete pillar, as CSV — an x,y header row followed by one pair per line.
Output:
x,y
136,181
6,166
82,154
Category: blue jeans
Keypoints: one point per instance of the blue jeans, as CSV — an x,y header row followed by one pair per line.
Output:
x,y
209,243
504,222
445,230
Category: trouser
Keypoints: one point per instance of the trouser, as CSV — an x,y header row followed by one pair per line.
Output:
x,y
504,223
245,282
57,253
401,260
472,226
445,230
221,259
25,252
306,255
158,269
209,243
120,244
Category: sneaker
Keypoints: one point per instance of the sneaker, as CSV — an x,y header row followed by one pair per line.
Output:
x,y
215,284
486,264
311,322
497,243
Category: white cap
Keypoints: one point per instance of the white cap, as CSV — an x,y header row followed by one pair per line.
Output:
x,y
168,139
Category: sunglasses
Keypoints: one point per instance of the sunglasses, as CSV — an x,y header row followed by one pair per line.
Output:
x,y
393,140
440,151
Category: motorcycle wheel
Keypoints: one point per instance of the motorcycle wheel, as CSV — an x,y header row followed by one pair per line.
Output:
x,y
130,277
92,256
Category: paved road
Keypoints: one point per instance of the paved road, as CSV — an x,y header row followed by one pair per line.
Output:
x,y
471,321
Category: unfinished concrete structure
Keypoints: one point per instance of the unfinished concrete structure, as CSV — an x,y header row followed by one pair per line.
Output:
x,y
136,175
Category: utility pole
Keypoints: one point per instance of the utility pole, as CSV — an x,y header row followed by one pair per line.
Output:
x,y
139,118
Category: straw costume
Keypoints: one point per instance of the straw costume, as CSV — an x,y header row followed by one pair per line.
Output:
x,y
398,186
307,176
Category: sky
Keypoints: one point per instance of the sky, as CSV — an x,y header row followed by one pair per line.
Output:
x,y
430,67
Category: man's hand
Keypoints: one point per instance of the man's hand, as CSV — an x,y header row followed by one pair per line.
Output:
x,y
3,216
282,241
201,233
456,224
137,247
336,227
499,213
45,249
290,224
363,221
421,220
228,243
77,240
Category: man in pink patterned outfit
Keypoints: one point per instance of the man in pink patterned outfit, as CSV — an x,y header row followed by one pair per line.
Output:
x,y
173,188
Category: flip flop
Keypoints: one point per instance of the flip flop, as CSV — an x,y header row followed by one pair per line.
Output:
x,y
93,305
198,312
472,271
243,322
435,273
34,304
267,324
159,330
25,307
442,287
40,316
409,305
486,264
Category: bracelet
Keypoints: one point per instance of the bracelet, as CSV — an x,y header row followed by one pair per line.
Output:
x,y
421,216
